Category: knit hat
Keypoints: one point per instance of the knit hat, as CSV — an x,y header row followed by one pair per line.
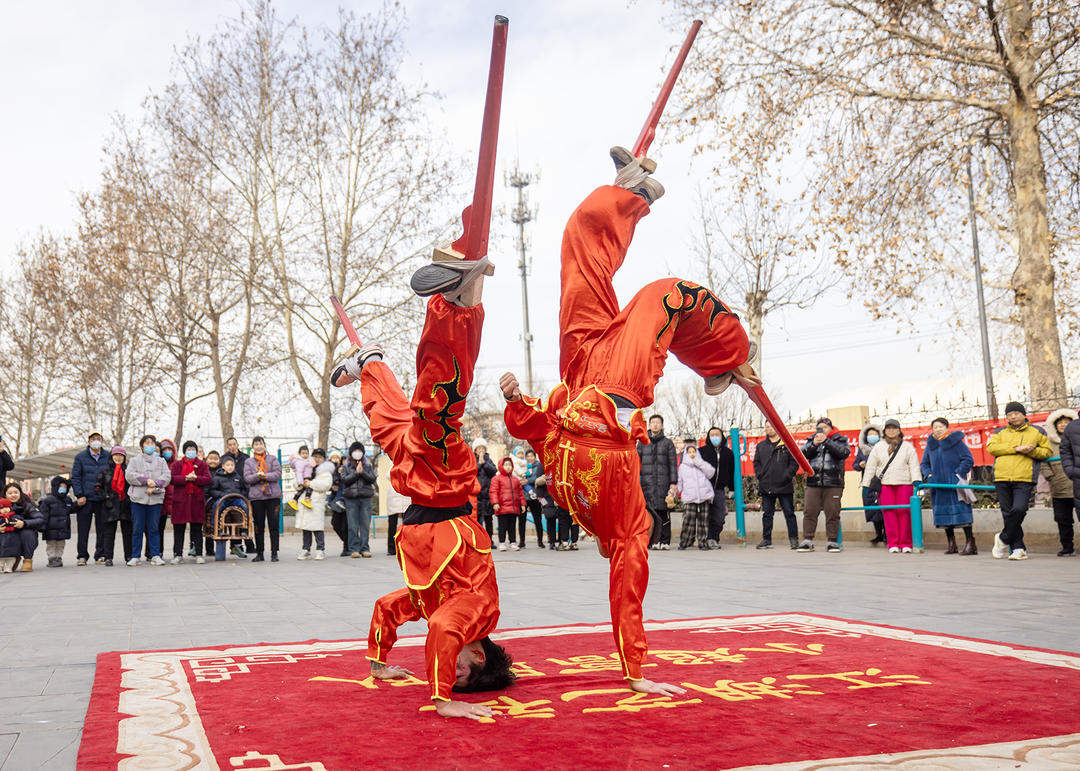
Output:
x,y
1015,407
5,503
118,450
479,442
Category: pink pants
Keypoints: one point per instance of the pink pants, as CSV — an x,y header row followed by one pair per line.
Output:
x,y
897,521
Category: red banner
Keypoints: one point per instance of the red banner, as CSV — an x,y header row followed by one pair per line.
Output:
x,y
976,434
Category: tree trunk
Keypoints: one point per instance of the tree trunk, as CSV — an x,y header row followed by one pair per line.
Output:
x,y
755,321
1033,280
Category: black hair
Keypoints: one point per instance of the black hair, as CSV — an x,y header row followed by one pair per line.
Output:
x,y
146,437
213,452
231,439
657,416
826,421
255,439
303,447
189,443
9,485
228,459
530,449
318,451
940,420
496,673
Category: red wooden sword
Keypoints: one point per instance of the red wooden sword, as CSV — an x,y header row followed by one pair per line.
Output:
x,y
343,317
648,131
476,217
761,400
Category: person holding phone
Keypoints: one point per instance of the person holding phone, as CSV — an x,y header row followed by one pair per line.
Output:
x,y
826,450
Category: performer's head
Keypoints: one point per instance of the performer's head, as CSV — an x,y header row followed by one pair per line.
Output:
x,y
483,666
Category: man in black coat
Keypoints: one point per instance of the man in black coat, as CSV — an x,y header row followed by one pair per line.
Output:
x,y
90,497
659,479
1070,461
718,455
485,472
775,471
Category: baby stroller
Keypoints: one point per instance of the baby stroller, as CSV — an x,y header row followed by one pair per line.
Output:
x,y
232,522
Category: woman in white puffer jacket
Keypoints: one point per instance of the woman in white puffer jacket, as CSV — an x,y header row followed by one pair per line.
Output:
x,y
313,520
897,464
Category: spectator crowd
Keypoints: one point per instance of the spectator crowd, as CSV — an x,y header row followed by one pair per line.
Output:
x,y
138,497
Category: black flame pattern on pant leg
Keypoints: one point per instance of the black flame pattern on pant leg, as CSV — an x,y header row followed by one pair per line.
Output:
x,y
691,297
452,391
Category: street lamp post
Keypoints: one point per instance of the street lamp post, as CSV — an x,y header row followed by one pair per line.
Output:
x,y
988,374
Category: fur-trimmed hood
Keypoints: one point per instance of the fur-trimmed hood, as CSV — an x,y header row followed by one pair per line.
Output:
x,y
866,448
1054,417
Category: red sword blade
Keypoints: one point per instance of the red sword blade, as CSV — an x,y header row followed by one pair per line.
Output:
x,y
476,217
343,317
648,131
761,399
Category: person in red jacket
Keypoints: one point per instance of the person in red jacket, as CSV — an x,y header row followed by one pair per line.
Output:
x,y
610,361
190,478
444,553
508,501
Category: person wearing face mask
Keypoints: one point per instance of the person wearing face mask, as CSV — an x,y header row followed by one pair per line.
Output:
x,y
56,511
89,497
718,455
148,479
263,473
868,437
167,449
117,505
358,477
948,461
190,478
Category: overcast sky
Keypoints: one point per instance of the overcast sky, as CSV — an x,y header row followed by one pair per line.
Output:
x,y
581,76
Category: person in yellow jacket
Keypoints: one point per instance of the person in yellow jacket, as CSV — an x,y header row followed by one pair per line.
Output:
x,y
1015,448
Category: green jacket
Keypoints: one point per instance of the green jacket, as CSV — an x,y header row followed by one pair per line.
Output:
x,y
1011,466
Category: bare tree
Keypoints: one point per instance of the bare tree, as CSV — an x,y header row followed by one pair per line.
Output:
x,y
334,170
769,258
34,314
688,411
885,98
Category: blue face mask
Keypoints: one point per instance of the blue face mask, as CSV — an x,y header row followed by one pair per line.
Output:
x,y
191,454
166,454
149,449
873,439
61,491
715,440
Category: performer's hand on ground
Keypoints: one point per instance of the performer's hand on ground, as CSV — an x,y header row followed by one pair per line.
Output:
x,y
389,672
463,709
661,689
510,387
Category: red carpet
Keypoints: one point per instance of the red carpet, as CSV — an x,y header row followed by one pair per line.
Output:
x,y
774,689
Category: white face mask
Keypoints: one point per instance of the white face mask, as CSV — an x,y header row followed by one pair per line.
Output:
x,y
357,455
95,445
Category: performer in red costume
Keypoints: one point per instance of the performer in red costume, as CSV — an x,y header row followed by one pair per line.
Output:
x,y
610,361
445,555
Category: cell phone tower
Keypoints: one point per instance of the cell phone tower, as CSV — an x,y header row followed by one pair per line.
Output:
x,y
519,215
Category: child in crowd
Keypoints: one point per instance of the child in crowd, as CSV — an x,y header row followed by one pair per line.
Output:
x,y
213,462
508,501
10,541
313,521
117,506
696,492
56,509
302,470
226,482
25,508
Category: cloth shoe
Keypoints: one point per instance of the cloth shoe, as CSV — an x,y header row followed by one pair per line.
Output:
x,y
631,172
1018,554
1000,550
455,280
806,545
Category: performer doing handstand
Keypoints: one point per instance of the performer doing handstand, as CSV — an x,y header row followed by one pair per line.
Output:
x,y
610,361
445,555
